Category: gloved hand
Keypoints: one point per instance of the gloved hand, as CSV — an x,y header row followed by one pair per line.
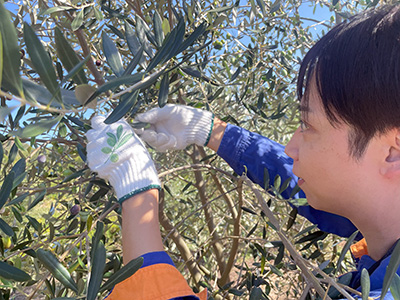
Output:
x,y
174,127
117,154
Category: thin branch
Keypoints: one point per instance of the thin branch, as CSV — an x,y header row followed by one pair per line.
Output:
x,y
227,198
180,244
195,212
236,231
48,108
144,80
298,259
74,131
331,281
98,77
197,167
170,14
53,188
217,246
136,6
305,292
58,140
316,22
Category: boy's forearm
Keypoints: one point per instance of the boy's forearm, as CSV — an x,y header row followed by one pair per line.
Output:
x,y
140,226
217,134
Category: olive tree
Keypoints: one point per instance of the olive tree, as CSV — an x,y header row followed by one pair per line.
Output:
x,y
63,61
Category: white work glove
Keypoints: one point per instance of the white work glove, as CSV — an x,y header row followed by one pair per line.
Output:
x,y
174,127
117,154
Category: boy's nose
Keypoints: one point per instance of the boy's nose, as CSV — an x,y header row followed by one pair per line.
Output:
x,y
291,148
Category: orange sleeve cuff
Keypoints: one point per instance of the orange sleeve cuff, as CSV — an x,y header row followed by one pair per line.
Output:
x,y
155,282
359,249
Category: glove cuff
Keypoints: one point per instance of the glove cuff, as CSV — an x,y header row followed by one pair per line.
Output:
x,y
131,178
200,133
133,193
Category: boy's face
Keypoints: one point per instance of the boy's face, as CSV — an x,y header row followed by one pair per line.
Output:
x,y
331,178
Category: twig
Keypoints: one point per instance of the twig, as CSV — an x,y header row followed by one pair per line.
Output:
x,y
217,246
353,291
296,256
180,244
199,167
316,22
58,140
136,8
338,286
86,52
227,198
48,108
53,188
236,231
144,80
171,15
305,292
86,49
73,130
175,228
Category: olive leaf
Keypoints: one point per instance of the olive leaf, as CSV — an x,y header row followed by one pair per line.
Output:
x,y
12,273
51,263
42,62
112,54
11,78
78,21
69,58
127,101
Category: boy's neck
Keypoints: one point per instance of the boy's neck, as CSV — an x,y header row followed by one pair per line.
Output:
x,y
378,248
380,234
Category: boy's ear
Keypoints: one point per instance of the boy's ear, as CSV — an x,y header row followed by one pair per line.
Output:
x,y
391,166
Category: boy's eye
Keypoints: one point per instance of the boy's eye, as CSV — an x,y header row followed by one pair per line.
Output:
x,y
303,126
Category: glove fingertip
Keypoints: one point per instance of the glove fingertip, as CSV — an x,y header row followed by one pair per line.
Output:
x,y
149,136
98,122
138,131
173,144
90,134
151,116
162,149
145,117
164,142
163,138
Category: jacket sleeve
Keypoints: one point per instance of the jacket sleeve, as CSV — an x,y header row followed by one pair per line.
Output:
x,y
157,279
247,151
376,294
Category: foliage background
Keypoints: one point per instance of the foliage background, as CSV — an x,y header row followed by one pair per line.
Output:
x,y
60,224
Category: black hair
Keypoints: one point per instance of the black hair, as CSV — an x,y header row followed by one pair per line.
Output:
x,y
356,67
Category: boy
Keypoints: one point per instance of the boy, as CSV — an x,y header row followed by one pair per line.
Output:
x,y
346,154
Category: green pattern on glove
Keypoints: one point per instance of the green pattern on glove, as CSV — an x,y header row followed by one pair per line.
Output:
x,y
115,142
